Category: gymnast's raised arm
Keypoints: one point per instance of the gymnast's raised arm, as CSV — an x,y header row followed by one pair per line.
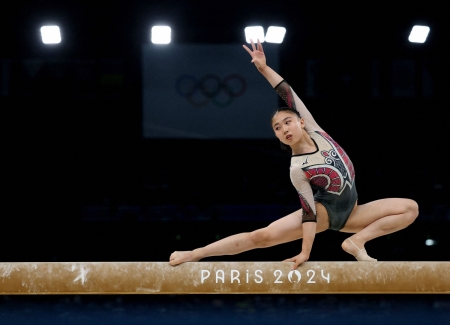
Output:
x,y
281,86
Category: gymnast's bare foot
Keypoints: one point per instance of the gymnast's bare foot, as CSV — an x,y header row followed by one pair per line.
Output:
x,y
354,245
182,257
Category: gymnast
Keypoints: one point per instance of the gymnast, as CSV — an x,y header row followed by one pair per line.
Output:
x,y
319,163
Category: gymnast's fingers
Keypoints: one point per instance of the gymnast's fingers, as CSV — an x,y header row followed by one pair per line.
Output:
x,y
253,44
292,259
296,264
260,46
247,49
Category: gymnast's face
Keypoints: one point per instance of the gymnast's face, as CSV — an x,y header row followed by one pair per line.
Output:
x,y
288,127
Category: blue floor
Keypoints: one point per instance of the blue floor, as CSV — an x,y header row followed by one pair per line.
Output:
x,y
227,309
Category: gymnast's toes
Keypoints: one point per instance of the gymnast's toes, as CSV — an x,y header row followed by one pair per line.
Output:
x,y
173,260
181,257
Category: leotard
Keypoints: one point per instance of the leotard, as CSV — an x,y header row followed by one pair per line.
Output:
x,y
328,170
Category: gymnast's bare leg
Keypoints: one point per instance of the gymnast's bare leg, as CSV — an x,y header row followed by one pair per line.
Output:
x,y
286,229
375,219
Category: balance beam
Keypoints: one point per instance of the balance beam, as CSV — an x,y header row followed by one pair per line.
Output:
x,y
223,277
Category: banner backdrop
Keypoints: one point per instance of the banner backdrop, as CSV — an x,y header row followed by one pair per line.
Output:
x,y
206,92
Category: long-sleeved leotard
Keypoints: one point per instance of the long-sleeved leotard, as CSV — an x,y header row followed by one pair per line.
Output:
x,y
328,169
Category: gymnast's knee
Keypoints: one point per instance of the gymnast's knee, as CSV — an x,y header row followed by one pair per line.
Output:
x,y
412,210
261,237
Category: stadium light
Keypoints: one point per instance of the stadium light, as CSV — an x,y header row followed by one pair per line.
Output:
x,y
255,33
430,242
50,34
161,34
419,34
275,34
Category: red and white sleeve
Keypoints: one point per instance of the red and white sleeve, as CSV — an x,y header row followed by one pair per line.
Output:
x,y
285,91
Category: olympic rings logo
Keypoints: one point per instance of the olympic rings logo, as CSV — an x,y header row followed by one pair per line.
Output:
x,y
211,88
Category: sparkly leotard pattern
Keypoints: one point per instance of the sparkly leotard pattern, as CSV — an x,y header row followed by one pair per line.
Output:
x,y
328,170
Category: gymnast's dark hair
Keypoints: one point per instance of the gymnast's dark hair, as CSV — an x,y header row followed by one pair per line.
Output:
x,y
285,109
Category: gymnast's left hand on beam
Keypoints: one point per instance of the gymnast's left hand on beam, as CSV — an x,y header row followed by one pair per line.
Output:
x,y
299,259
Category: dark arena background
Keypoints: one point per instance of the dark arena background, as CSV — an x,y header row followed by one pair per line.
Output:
x,y
96,168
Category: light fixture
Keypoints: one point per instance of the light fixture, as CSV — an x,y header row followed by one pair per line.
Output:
x,y
430,242
419,34
275,34
161,35
50,34
254,33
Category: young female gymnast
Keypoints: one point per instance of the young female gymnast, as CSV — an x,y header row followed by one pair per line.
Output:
x,y
317,162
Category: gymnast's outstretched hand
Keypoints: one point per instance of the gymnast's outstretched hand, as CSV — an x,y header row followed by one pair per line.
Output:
x,y
299,259
258,56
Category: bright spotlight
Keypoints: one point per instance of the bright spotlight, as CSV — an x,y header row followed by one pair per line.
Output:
x,y
255,33
50,34
275,34
419,34
430,242
161,34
